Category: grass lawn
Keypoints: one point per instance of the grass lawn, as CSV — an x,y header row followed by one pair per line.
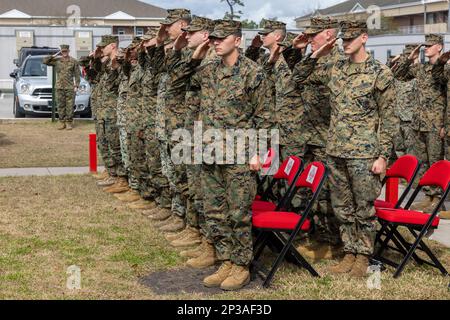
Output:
x,y
50,223
28,144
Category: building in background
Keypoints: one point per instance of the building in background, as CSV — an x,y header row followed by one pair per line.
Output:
x,y
79,23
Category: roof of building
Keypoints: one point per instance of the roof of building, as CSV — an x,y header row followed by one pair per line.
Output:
x,y
348,6
88,8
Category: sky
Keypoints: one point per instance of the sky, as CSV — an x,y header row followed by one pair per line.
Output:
x,y
285,10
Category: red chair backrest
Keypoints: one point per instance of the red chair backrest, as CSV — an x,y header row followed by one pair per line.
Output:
x,y
289,169
405,167
311,176
437,175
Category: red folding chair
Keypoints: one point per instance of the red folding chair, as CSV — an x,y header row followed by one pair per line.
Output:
x,y
278,223
406,167
417,223
288,172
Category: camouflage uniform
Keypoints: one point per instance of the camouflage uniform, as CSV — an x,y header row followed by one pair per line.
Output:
x,y
107,129
441,73
430,116
231,97
67,77
180,74
361,130
122,121
157,182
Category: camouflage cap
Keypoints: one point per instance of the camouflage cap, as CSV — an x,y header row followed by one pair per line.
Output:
x,y
272,25
225,28
173,15
84,61
64,47
136,42
108,39
150,34
433,38
290,36
199,24
352,29
410,47
320,23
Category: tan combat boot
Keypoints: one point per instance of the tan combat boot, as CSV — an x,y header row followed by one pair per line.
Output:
x,y
444,215
129,196
101,176
142,205
69,125
206,259
345,265
176,236
160,215
359,269
162,223
192,238
422,205
195,252
107,182
120,186
177,225
216,279
320,251
62,125
238,278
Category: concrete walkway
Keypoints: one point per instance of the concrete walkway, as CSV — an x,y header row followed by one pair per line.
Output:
x,y
22,172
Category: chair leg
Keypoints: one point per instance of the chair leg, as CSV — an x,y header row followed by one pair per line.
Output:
x,y
410,252
304,263
405,247
385,242
260,244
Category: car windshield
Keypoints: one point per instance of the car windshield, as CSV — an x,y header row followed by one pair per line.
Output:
x,y
34,68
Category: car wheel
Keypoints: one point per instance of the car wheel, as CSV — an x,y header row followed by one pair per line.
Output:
x,y
17,112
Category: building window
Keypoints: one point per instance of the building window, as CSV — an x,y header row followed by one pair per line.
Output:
x,y
139,32
121,31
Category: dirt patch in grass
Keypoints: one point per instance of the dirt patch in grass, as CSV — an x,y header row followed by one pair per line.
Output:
x,y
29,144
48,224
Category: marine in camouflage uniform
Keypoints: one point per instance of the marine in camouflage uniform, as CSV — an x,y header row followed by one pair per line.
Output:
x,y
313,129
170,96
67,81
430,116
136,123
231,97
107,130
152,65
407,100
186,114
122,116
362,125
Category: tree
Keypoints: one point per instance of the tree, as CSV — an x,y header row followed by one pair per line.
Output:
x,y
233,14
249,24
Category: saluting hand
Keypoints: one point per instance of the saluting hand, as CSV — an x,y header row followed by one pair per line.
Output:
x,y
415,53
162,35
275,55
444,57
202,50
181,42
300,42
325,49
257,42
